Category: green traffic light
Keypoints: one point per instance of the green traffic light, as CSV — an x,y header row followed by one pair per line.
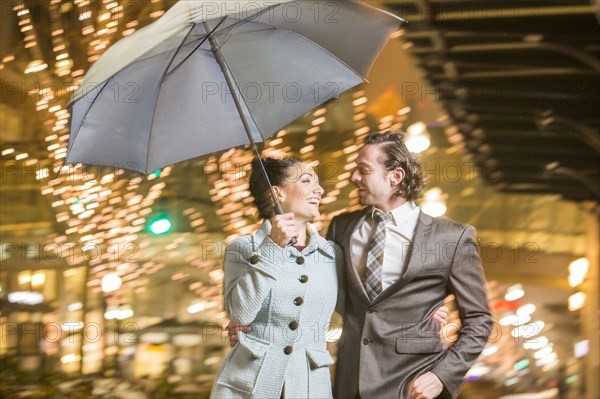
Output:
x,y
520,365
160,226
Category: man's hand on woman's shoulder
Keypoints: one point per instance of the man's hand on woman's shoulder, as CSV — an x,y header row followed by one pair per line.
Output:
x,y
232,331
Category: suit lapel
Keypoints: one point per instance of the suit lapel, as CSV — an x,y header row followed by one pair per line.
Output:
x,y
413,261
351,271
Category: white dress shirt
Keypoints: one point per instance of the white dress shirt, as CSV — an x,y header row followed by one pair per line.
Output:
x,y
399,234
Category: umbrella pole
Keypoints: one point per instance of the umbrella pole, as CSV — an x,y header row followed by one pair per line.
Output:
x,y
278,208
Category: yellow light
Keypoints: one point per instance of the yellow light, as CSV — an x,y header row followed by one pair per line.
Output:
x,y
38,279
545,351
24,278
70,358
576,301
536,343
111,282
514,292
578,270
434,203
526,310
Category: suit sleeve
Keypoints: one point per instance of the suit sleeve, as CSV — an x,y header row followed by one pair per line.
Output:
x,y
340,268
247,285
467,283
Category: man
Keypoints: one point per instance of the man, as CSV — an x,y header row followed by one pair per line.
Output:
x,y
400,265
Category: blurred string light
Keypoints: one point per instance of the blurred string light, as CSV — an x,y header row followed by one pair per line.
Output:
x,y
546,360
511,381
536,343
25,297
526,310
514,292
417,138
111,282
528,330
550,365
576,301
70,358
543,352
521,364
24,278
578,270
490,350
38,279
523,319
348,152
199,306
89,207
434,202
478,370
509,320
334,334
75,306
119,312
196,308
572,378
581,348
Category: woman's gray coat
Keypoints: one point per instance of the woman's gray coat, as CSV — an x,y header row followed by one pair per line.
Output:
x,y
288,297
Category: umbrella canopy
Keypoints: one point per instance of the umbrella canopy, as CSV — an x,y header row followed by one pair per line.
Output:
x,y
208,76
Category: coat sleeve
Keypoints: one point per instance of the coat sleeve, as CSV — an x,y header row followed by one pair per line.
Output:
x,y
248,281
467,283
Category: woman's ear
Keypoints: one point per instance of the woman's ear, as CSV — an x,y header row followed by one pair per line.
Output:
x,y
279,194
398,176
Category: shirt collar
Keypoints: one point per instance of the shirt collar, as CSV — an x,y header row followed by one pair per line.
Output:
x,y
401,213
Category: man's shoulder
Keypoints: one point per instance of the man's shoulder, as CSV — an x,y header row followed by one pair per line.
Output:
x,y
447,225
340,223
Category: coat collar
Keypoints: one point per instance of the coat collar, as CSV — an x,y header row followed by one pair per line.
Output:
x,y
317,242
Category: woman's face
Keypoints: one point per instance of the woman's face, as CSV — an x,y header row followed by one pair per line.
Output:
x,y
302,192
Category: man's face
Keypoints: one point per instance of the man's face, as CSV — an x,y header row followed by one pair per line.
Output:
x,y
374,182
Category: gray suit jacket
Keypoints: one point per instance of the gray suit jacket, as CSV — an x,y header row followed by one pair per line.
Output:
x,y
388,342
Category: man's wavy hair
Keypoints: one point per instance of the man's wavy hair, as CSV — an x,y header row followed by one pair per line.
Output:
x,y
398,156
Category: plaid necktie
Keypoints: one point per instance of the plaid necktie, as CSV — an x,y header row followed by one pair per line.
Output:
x,y
373,273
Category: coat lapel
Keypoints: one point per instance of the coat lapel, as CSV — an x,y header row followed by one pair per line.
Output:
x,y
413,261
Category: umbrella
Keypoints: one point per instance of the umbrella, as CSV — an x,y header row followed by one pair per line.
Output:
x,y
210,75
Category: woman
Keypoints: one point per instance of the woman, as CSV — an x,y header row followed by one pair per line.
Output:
x,y
287,293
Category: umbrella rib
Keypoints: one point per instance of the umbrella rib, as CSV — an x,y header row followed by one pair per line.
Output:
x,y
162,80
241,97
197,47
231,82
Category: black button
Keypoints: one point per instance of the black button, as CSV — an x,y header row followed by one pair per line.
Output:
x,y
254,259
294,325
300,260
303,279
366,341
298,301
288,350
370,309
